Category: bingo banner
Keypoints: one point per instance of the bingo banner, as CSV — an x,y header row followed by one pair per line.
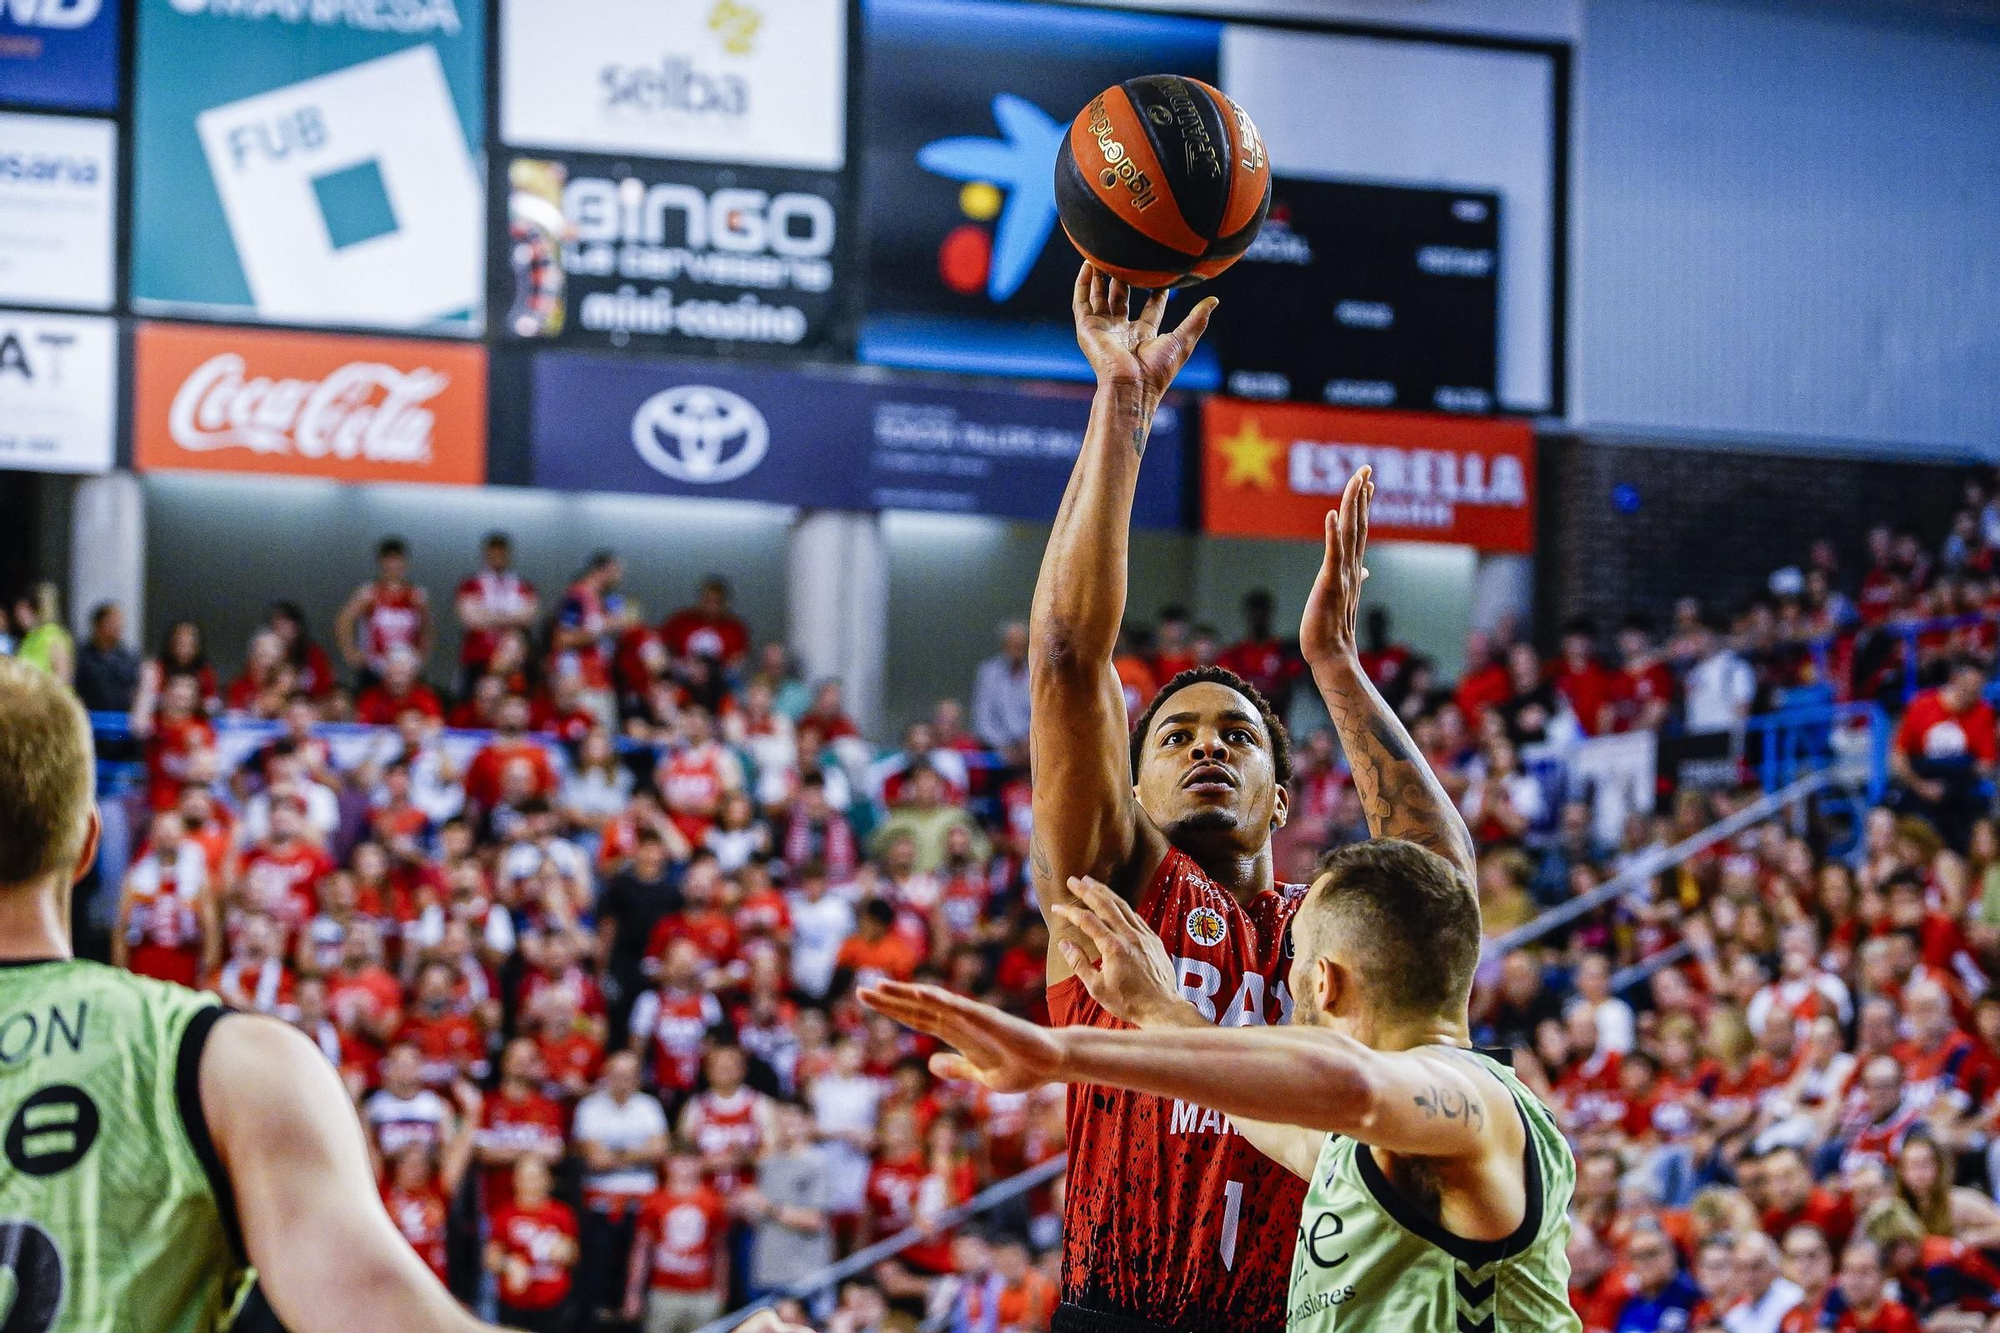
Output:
x,y
678,256
310,163
1274,469
308,405
823,440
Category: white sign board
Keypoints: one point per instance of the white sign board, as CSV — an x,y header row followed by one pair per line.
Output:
x,y
58,187
58,392
752,81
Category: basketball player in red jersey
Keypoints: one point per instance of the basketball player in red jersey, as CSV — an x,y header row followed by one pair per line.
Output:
x,y
1173,1223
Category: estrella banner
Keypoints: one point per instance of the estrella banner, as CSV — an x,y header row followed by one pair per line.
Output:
x,y
1274,469
311,164
824,440
276,403
968,101
60,53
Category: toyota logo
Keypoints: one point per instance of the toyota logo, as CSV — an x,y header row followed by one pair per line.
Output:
x,y
700,434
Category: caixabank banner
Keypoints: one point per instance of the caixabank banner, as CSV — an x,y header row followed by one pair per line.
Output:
x,y
674,256
60,53
210,399
310,163
968,101
1275,469
831,441
58,392
745,81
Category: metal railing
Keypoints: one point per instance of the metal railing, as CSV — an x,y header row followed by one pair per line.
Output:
x,y
1649,864
830,1277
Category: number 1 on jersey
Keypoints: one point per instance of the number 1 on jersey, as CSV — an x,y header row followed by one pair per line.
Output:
x,y
1232,1213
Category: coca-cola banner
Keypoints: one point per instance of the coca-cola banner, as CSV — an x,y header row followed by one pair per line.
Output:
x,y
308,405
681,256
1274,469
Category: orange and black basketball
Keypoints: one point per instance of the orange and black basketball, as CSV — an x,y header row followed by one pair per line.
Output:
x,y
1162,181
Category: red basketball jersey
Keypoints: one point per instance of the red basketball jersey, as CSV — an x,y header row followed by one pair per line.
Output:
x,y
1173,1218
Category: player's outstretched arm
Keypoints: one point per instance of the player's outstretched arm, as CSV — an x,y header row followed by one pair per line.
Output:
x,y
1086,820
1133,980
325,1250
1400,795
1423,1103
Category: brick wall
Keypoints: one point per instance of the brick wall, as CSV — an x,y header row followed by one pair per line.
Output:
x,y
1632,527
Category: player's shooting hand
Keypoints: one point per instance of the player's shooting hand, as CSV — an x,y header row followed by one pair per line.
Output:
x,y
998,1050
1327,632
1130,975
1124,348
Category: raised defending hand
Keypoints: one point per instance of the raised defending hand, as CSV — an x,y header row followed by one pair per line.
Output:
x,y
1129,349
1131,975
996,1049
1327,630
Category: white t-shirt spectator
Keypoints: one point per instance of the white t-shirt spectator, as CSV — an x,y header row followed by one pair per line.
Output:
x,y
845,1106
524,860
396,1123
322,812
1766,1312
818,931
1616,1029
1719,691
601,1120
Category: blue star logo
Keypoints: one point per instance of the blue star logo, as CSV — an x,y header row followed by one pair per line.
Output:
x,y
1022,163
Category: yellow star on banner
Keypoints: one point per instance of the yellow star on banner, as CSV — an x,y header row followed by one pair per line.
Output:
x,y
1251,457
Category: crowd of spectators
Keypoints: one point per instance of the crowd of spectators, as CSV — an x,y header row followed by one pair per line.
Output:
x,y
588,975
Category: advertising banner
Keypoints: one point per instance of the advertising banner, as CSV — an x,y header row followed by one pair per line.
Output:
x,y
968,101
58,392
308,405
826,441
60,53
310,163
1366,296
58,199
746,81
1274,469
674,256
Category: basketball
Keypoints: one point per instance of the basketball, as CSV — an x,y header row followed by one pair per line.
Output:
x,y
1162,181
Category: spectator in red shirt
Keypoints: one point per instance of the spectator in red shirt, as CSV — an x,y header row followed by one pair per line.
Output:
x,y
510,746
708,628
1882,586
1260,657
384,614
1645,688
1598,1285
1943,1066
532,1250
520,1124
589,622
1590,687
450,1043
364,999
1863,1291
828,713
1173,652
1945,749
419,1191
1808,1261
312,669
180,743
560,713
1484,682
680,1252
267,679
399,689
1792,1200
490,601
168,915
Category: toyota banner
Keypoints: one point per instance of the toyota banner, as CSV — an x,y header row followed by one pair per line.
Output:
x,y
825,441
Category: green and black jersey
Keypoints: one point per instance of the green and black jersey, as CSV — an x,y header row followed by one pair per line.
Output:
x,y
114,1213
1367,1258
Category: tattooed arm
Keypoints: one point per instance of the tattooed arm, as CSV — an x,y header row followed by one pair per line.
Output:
x,y
1086,820
1400,795
1431,1102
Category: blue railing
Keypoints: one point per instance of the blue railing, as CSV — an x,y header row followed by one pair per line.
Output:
x,y
1804,739
1907,637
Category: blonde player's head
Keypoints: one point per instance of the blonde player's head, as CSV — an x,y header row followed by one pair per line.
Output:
x,y
48,821
1386,941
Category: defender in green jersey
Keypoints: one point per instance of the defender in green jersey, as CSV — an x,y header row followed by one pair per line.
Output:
x,y
1439,1186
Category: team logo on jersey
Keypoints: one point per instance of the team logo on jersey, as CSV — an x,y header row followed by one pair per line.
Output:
x,y
1206,927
